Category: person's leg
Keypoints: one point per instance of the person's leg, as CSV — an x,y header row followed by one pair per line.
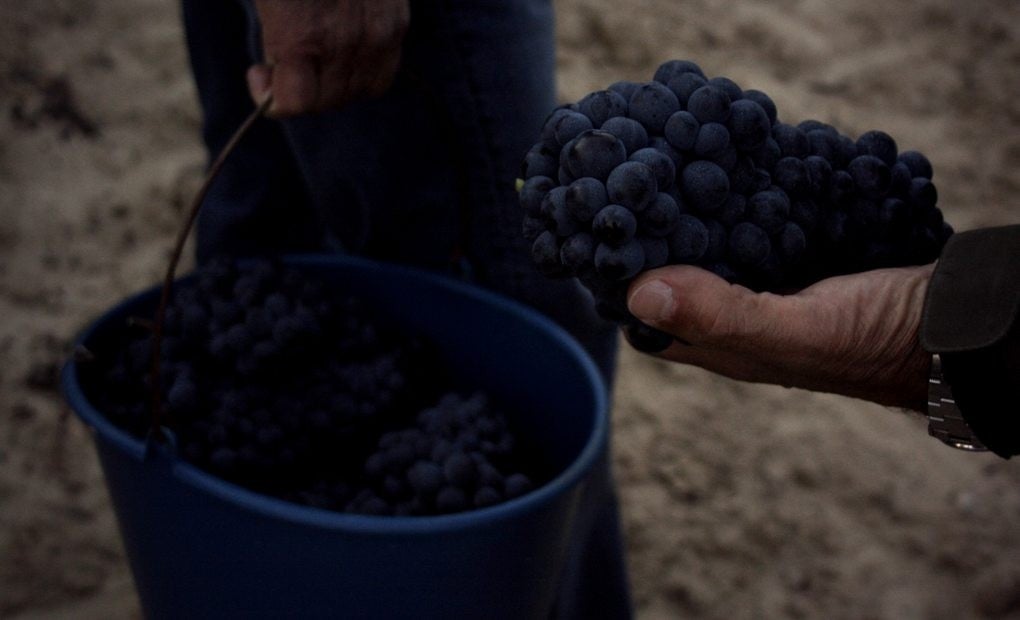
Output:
x,y
257,204
399,178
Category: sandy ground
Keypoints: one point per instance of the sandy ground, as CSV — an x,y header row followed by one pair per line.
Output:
x,y
740,501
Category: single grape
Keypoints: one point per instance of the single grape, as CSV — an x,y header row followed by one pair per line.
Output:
x,y
684,84
917,163
769,210
709,104
633,185
659,219
791,174
681,130
712,140
765,102
578,251
570,125
660,164
728,86
602,105
614,225
705,185
595,153
870,174
629,131
619,263
656,252
792,141
651,105
532,193
673,68
689,240
878,144
584,198
749,124
748,245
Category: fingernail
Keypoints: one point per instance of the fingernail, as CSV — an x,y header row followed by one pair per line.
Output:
x,y
258,83
652,301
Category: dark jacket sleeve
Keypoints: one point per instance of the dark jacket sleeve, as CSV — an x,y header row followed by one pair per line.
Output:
x,y
972,320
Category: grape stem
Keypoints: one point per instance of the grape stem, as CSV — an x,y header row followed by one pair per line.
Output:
x,y
175,257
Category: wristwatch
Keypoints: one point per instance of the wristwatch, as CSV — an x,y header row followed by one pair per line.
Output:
x,y
945,421
970,326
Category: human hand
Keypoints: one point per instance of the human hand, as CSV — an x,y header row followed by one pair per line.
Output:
x,y
855,335
322,54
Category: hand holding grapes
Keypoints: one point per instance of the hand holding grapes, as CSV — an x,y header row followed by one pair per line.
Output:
x,y
854,335
321,55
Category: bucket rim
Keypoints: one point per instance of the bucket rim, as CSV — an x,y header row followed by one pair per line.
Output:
x,y
283,510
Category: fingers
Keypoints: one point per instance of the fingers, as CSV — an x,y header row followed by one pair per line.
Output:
x,y
324,55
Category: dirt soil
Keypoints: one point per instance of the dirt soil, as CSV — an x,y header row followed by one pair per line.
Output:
x,y
739,501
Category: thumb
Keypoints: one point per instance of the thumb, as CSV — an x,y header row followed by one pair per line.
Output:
x,y
692,304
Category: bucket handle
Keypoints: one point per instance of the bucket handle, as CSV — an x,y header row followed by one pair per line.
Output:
x,y
156,395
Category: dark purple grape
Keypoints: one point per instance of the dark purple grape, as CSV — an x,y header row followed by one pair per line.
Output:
x,y
538,162
585,197
629,131
682,130
614,225
712,140
917,163
684,85
659,219
532,193
791,243
555,214
577,251
633,185
656,252
689,240
660,164
749,124
923,192
765,102
624,88
705,185
766,156
791,174
709,104
619,263
791,140
749,245
728,86
595,153
870,174
647,339
602,105
651,105
878,144
674,68
769,210
570,125
545,253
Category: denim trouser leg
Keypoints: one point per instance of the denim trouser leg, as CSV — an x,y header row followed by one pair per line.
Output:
x,y
422,173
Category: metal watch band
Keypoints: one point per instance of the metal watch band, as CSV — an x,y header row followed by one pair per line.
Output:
x,y
945,422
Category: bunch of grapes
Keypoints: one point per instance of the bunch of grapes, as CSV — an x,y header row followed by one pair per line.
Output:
x,y
459,455
690,170
275,383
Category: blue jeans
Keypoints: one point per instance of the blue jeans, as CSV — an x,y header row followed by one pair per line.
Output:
x,y
423,176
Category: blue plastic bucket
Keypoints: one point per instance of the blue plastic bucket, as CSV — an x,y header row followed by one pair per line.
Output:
x,y
202,547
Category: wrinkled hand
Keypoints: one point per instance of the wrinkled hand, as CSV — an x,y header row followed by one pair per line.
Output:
x,y
854,335
321,54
